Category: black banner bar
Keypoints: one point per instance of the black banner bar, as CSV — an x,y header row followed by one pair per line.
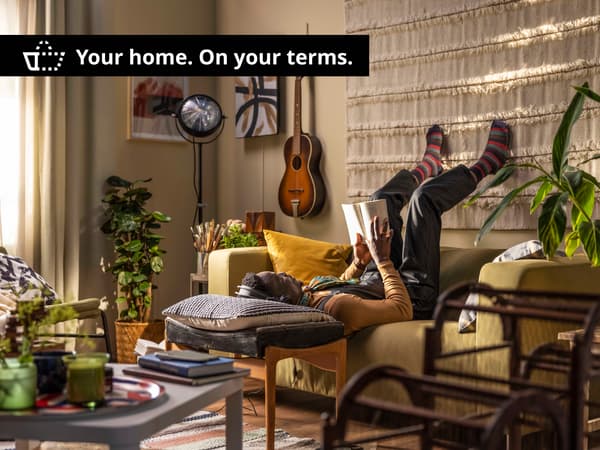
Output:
x,y
184,55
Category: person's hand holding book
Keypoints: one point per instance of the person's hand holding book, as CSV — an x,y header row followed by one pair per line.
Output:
x,y
362,255
380,243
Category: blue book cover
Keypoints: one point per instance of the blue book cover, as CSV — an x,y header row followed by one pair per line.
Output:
x,y
187,368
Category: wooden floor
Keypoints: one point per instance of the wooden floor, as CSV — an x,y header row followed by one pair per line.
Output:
x,y
299,413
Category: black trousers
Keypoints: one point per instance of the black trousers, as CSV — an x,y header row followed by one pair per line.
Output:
x,y
418,257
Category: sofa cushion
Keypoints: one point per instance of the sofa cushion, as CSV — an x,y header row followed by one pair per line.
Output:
x,y
19,281
224,313
305,258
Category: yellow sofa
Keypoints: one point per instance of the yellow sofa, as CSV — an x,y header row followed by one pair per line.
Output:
x,y
402,343
398,343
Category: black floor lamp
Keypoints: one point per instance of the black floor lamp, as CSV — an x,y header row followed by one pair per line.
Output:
x,y
199,120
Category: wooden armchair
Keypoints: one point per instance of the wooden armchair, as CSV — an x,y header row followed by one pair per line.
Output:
x,y
545,387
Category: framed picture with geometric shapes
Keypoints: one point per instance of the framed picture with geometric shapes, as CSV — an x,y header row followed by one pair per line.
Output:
x,y
256,106
150,101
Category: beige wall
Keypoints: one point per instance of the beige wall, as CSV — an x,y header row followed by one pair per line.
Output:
x,y
107,150
250,170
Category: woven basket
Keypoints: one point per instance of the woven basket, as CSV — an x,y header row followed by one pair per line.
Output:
x,y
127,334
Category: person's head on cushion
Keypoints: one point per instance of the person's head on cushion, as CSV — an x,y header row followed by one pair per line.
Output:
x,y
273,286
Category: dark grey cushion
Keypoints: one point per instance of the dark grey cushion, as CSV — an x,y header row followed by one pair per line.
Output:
x,y
253,341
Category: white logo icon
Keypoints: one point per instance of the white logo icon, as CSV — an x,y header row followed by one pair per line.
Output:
x,y
43,60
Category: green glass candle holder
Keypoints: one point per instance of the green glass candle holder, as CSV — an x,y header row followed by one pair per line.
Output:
x,y
17,385
85,378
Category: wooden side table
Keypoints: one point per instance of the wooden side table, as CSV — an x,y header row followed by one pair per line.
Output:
x,y
201,281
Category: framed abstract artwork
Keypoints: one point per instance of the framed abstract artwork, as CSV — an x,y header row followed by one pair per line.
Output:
x,y
256,106
150,101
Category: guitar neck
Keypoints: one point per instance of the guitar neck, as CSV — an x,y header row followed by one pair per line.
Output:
x,y
297,115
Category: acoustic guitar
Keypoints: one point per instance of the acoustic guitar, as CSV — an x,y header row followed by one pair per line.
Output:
x,y
301,191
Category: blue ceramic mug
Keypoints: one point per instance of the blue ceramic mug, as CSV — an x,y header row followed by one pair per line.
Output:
x,y
52,371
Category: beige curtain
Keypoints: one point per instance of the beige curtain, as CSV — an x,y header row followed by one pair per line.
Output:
x,y
48,230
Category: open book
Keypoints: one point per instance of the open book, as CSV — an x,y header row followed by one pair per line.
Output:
x,y
358,217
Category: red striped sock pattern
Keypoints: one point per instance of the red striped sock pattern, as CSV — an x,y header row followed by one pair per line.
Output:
x,y
496,151
431,164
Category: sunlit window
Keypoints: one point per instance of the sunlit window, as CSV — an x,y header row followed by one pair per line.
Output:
x,y
9,131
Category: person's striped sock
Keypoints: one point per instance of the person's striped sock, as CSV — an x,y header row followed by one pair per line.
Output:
x,y
431,164
496,151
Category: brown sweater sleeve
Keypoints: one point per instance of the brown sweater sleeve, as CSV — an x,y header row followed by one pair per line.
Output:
x,y
352,271
358,313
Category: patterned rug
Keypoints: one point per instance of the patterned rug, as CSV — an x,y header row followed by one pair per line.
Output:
x,y
201,431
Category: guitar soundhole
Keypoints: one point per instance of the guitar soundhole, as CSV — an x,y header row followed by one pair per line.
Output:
x,y
297,163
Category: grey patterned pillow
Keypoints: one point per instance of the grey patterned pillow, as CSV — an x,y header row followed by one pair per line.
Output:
x,y
224,313
525,250
19,281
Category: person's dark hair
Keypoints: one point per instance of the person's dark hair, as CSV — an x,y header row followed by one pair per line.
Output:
x,y
254,287
254,281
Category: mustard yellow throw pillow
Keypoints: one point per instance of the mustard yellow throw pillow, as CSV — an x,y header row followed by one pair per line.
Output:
x,y
305,258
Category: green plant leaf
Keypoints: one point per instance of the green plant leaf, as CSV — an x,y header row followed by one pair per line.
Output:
x,y
160,216
121,299
584,196
585,90
552,222
590,238
134,246
489,222
562,138
157,264
124,278
501,176
116,181
591,179
572,243
540,195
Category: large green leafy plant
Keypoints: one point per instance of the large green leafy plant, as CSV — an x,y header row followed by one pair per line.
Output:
x,y
561,190
138,257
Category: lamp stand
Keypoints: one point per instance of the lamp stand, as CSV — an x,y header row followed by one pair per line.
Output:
x,y
199,205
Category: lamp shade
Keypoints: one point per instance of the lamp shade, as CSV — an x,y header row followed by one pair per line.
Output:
x,y
199,115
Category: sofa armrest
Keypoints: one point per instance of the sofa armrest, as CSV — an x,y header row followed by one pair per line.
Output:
x,y
572,276
227,267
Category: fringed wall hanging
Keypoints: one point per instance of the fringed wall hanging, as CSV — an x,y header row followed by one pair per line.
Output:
x,y
462,64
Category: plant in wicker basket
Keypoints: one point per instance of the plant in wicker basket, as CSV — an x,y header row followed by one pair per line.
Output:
x,y
137,256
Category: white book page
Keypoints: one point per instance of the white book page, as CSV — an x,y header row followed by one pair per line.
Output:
x,y
371,209
353,220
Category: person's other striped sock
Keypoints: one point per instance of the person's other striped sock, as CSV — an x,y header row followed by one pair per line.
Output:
x,y
431,164
496,151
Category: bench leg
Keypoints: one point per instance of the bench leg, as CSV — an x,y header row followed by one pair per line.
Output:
x,y
270,374
340,371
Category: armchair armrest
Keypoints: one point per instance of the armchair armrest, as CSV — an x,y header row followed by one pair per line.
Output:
x,y
227,267
85,308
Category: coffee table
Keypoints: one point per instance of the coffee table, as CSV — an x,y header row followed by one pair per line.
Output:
x,y
123,430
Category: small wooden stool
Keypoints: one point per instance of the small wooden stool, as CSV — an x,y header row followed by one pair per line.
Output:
x,y
319,343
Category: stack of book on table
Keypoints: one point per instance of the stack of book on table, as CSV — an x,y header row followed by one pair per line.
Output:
x,y
183,366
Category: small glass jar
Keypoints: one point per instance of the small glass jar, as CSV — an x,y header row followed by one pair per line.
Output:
x,y
85,378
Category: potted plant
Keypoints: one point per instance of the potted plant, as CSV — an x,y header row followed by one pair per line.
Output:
x,y
563,190
235,236
18,375
137,260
